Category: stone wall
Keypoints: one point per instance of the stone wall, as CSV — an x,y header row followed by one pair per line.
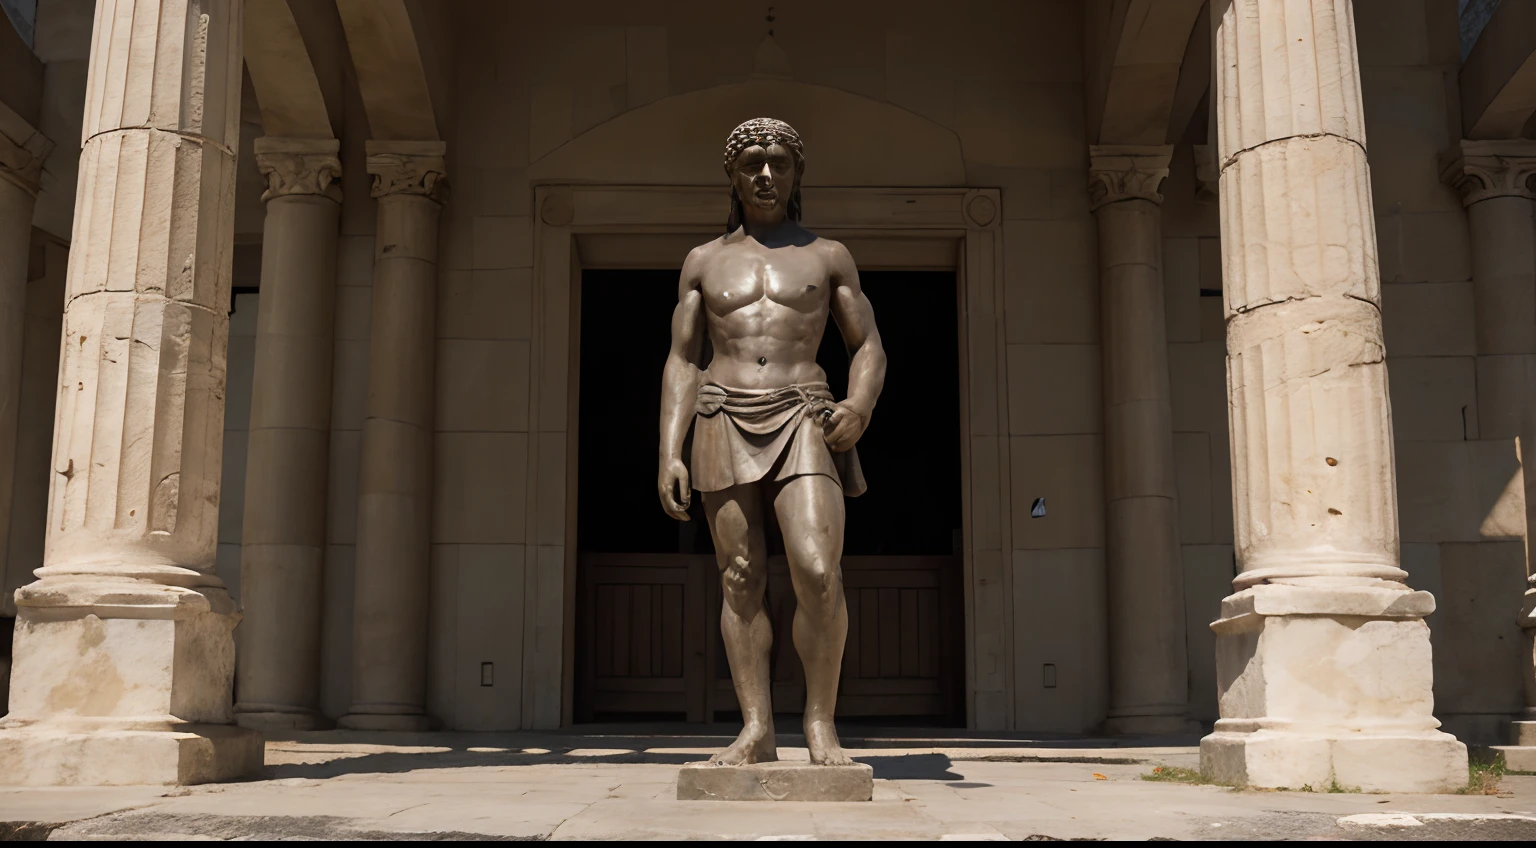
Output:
x,y
527,78
1460,493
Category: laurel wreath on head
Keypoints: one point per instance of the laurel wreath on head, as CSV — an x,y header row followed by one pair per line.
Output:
x,y
763,131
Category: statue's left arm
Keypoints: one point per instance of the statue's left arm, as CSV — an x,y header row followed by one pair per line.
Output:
x,y
866,356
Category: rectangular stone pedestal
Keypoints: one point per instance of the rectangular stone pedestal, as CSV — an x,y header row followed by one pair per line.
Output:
x,y
775,782
53,756
1325,685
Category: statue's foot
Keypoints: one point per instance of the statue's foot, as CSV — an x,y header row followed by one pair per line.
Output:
x,y
754,745
821,739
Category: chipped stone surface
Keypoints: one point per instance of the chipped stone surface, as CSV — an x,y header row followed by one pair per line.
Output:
x,y
780,781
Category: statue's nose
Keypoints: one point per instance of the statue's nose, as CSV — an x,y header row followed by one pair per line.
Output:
x,y
763,176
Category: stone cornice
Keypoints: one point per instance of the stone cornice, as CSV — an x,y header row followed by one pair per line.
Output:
x,y
408,167
299,166
22,152
1126,172
1481,170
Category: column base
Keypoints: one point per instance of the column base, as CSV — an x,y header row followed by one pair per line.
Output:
x,y
1151,725
267,719
1410,762
387,723
1520,753
77,755
1518,757
1329,684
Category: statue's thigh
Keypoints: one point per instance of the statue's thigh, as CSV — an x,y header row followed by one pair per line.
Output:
x,y
810,513
736,522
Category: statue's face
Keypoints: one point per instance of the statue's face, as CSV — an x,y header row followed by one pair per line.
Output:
x,y
764,177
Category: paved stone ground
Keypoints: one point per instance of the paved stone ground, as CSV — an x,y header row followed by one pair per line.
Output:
x,y
596,785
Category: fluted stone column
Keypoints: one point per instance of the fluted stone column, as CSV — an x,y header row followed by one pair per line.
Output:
x,y
1323,657
394,508
123,653
1496,179
283,539
1148,666
22,152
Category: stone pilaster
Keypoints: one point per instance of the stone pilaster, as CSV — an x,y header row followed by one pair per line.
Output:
x,y
394,510
123,651
1149,672
1496,181
1323,657
283,538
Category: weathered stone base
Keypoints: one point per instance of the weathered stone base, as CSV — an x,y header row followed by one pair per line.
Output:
x,y
1177,724
387,723
1327,684
1518,757
80,756
1520,753
1431,762
279,720
775,782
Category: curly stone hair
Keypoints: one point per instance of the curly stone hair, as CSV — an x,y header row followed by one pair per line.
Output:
x,y
763,131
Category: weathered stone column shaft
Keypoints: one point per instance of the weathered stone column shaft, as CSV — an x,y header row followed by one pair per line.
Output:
x,y
22,151
283,538
128,630
1149,674
1314,479
394,512
1323,658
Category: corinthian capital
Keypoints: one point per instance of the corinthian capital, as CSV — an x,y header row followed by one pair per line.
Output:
x,y
1207,174
22,151
1126,172
407,167
299,166
1481,170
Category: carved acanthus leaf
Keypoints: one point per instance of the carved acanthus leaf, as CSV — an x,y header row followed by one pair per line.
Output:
x,y
408,167
1126,172
1207,174
300,173
21,162
1481,170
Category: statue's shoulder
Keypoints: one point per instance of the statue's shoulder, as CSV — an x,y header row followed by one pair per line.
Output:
x,y
701,254
831,248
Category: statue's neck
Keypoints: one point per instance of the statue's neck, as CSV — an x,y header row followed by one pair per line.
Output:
x,y
764,227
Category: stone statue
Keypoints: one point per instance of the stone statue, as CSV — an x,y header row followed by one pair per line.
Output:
x,y
767,431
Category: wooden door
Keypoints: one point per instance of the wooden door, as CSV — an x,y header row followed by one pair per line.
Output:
x,y
643,634
648,632
903,656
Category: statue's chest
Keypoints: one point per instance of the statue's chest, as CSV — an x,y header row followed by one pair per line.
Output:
x,y
745,279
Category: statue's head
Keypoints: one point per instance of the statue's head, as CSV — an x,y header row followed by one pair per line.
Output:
x,y
765,160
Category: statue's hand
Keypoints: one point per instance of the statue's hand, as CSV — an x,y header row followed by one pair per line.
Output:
x,y
844,427
672,485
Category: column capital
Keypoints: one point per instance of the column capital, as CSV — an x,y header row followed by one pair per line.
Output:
x,y
1482,170
407,167
299,166
1119,172
1207,174
22,151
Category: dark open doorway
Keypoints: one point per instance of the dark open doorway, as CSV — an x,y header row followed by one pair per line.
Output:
x,y
648,597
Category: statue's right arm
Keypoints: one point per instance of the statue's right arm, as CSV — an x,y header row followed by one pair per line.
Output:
x,y
679,386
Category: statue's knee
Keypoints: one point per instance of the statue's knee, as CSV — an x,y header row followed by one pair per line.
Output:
x,y
822,581
740,581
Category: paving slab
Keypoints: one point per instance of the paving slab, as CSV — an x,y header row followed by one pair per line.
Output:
x,y
612,786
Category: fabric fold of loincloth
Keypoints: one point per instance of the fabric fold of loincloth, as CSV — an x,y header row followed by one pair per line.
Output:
x,y
745,435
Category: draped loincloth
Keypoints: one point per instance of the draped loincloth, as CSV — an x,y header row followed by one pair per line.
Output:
x,y
745,435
